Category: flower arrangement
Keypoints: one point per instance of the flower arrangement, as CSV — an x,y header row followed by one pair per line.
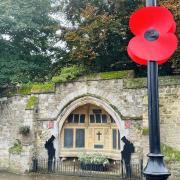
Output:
x,y
95,158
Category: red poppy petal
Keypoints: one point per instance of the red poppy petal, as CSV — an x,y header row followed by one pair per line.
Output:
x,y
135,58
163,61
146,18
173,28
158,50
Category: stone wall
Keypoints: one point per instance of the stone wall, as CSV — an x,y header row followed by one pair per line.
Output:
x,y
124,99
169,103
174,169
12,116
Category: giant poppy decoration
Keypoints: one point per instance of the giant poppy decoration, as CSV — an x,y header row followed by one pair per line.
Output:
x,y
154,40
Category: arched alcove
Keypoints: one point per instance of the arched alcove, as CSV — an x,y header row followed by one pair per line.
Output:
x,y
93,100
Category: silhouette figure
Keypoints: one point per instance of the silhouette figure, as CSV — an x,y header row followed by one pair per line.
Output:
x,y
126,155
51,152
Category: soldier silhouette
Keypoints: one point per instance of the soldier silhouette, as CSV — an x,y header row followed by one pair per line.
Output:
x,y
126,155
51,152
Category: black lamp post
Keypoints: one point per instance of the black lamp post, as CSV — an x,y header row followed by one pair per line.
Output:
x,y
155,168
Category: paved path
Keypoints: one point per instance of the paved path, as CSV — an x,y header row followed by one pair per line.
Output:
x,y
10,176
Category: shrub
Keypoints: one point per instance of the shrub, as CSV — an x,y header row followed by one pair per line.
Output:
x,y
69,73
24,130
170,153
16,148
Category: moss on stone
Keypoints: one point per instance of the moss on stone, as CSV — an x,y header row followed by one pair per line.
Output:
x,y
114,75
169,80
24,89
142,82
42,87
31,102
135,83
170,153
16,148
111,75
29,88
145,131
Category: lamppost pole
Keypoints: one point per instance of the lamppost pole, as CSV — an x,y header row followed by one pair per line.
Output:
x,y
155,168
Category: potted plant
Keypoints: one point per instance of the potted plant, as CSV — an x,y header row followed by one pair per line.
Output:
x,y
24,130
93,162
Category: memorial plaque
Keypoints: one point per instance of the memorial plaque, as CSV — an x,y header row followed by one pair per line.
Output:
x,y
98,146
50,124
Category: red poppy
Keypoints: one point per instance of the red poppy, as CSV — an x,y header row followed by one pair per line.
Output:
x,y
154,40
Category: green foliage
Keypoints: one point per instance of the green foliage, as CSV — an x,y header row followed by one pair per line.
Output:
x,y
24,89
42,87
170,153
114,74
95,158
31,102
102,34
174,7
110,75
27,34
145,131
97,39
16,148
29,88
69,73
24,130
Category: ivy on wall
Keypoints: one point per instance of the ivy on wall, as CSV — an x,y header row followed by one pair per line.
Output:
x,y
16,148
31,102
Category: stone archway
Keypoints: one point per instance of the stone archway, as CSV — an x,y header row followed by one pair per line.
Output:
x,y
89,99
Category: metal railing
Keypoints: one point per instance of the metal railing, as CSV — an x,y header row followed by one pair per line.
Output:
x,y
113,170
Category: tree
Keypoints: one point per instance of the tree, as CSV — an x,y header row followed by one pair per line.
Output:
x,y
27,33
100,33
174,7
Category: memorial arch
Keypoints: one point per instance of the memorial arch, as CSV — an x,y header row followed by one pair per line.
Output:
x,y
89,124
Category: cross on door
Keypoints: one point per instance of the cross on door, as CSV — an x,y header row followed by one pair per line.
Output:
x,y
99,136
